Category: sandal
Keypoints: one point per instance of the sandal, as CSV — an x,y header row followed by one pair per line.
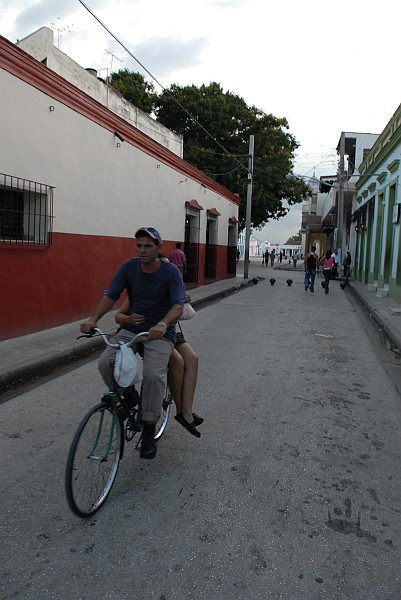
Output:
x,y
188,426
197,419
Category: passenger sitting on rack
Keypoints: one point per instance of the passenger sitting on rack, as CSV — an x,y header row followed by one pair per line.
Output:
x,y
182,373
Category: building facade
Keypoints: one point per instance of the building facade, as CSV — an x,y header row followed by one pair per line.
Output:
x,y
76,181
326,217
376,218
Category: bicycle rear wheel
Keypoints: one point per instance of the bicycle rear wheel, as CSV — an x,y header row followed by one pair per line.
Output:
x,y
93,460
164,415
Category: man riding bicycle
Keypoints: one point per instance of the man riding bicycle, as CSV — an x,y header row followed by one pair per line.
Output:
x,y
156,297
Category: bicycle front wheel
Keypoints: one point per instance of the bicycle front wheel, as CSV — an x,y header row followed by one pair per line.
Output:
x,y
93,460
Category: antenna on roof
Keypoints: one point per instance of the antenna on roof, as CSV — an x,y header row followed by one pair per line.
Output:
x,y
112,56
60,31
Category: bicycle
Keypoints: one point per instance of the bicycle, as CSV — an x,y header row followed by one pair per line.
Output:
x,y
98,444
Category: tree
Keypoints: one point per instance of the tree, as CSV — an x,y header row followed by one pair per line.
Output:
x,y
134,88
228,120
294,239
216,127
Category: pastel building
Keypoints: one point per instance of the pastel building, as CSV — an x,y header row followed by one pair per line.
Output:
x,y
376,217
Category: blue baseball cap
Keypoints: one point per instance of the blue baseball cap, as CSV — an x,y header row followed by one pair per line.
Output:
x,y
150,232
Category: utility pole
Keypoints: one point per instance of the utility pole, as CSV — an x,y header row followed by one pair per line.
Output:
x,y
340,198
248,207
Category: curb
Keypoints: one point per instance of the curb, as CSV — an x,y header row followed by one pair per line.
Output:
x,y
46,364
373,314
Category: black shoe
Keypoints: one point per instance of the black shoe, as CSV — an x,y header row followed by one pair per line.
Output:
x,y
148,445
188,426
326,291
134,423
131,395
197,419
312,289
130,398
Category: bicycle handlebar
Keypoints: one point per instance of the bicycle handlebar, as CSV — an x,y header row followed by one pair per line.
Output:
x,y
96,331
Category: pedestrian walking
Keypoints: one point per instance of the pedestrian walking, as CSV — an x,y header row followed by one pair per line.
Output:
x,y
272,257
267,258
178,258
310,269
336,260
328,265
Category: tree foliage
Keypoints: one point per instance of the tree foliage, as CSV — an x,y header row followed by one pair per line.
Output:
x,y
294,239
134,88
216,127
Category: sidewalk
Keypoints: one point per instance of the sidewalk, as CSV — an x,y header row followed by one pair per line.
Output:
x,y
29,356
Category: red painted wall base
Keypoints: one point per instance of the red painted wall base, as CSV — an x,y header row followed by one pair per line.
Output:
x,y
45,287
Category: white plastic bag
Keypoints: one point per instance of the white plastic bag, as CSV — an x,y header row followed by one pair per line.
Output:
x,y
127,367
188,312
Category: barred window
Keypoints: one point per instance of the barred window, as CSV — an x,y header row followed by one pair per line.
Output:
x,y
26,211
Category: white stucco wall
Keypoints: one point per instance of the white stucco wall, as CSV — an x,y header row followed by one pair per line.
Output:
x,y
101,189
40,45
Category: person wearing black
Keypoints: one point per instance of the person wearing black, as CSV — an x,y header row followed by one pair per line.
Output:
x,y
310,269
347,263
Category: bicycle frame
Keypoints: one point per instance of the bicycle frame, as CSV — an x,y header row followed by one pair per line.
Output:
x,y
92,455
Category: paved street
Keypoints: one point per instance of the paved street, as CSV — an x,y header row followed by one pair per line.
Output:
x,y
292,492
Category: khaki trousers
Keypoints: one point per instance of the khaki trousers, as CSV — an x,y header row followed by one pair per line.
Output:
x,y
155,360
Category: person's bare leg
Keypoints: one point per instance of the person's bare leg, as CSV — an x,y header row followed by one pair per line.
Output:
x,y
190,378
175,377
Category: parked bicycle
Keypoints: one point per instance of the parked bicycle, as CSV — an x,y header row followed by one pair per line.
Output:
x,y
98,444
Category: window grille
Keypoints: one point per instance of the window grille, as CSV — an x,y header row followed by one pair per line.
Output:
x,y
26,211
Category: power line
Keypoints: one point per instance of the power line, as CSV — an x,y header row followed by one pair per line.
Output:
x,y
158,82
215,153
227,173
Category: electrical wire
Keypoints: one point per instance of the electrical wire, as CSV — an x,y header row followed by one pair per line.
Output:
x,y
158,83
227,173
215,153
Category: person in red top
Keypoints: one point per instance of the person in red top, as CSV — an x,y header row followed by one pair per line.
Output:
x,y
328,265
178,258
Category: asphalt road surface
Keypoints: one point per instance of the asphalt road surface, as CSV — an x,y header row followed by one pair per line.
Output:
x,y
292,492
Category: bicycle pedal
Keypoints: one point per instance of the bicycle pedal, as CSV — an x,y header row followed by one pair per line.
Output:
x,y
134,425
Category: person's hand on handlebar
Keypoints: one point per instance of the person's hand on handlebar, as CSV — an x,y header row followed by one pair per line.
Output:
x,y
157,331
87,326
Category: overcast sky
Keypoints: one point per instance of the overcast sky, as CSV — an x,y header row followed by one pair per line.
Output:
x,y
326,66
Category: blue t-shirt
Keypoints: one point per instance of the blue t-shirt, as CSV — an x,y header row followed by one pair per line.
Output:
x,y
150,294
